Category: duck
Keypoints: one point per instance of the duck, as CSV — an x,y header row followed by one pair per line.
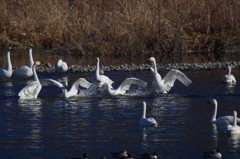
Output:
x,y
120,155
164,85
213,153
32,90
234,129
223,119
100,77
123,87
25,71
61,66
154,155
144,121
73,91
6,73
229,78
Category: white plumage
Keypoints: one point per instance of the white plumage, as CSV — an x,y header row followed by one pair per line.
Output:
x,y
221,120
234,129
100,77
229,78
7,72
144,121
164,85
25,71
123,87
61,66
32,90
73,91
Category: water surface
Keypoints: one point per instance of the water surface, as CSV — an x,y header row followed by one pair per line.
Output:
x,y
54,127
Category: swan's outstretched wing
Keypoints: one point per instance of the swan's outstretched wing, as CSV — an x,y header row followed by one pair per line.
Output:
x,y
106,79
125,85
56,83
171,77
79,82
30,91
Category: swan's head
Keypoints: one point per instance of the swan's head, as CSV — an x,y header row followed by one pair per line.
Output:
x,y
101,84
152,59
30,46
101,72
37,63
9,49
234,113
97,59
212,101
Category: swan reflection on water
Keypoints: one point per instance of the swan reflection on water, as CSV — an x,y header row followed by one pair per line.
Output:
x,y
234,141
33,111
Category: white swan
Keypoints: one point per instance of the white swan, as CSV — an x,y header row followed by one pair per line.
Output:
x,y
147,121
73,91
229,78
234,129
61,66
32,90
123,87
221,120
99,77
7,72
25,71
164,85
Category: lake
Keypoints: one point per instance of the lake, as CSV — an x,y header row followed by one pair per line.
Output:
x,y
54,127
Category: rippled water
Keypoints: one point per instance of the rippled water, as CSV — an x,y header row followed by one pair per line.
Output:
x,y
54,127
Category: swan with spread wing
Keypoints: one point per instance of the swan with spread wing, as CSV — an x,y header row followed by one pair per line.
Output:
x,y
123,87
164,85
73,91
32,90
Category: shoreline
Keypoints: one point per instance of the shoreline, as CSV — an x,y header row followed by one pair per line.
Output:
x,y
133,67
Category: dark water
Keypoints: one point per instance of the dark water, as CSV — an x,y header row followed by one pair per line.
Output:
x,y
54,127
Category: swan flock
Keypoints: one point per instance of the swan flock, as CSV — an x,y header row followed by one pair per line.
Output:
x,y
98,80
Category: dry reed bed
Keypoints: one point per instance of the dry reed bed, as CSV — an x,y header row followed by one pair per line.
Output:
x,y
121,26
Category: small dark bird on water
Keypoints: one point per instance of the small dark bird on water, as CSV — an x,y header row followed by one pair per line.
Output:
x,y
120,155
213,153
154,155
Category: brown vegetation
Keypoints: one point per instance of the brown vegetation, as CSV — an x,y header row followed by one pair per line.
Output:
x,y
121,26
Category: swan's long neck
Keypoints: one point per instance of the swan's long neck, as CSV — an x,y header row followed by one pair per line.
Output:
x,y
9,64
155,68
30,58
229,70
109,88
35,73
65,93
144,110
215,110
234,118
97,69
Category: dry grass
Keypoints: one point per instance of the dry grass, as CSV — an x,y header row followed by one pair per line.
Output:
x,y
121,26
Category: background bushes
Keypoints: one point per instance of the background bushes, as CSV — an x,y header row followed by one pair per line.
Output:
x,y
121,26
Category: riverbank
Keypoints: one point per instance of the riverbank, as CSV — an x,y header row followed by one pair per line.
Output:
x,y
133,67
